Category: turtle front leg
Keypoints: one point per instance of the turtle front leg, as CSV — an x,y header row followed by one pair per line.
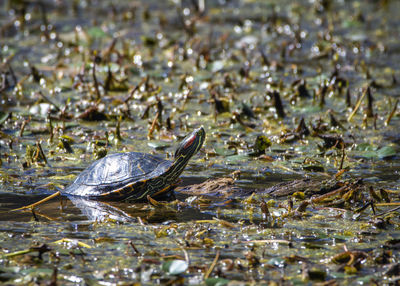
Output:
x,y
167,191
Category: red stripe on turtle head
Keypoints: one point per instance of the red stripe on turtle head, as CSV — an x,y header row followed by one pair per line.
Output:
x,y
190,141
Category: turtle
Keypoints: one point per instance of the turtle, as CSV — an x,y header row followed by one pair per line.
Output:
x,y
133,175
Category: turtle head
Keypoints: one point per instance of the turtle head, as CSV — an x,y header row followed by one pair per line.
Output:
x,y
190,145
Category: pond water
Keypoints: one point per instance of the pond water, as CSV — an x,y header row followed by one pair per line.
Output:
x,y
284,90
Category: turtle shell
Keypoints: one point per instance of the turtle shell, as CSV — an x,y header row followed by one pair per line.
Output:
x,y
119,176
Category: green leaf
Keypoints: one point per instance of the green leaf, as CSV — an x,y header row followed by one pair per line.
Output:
x,y
3,117
387,151
216,281
365,147
158,145
37,271
221,151
96,32
370,152
237,158
175,267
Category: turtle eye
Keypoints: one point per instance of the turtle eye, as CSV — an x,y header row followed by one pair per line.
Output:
x,y
189,141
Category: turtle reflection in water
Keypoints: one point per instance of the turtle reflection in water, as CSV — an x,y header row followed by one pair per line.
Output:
x,y
133,175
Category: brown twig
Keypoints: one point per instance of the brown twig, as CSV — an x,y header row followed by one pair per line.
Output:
x,y
21,131
387,121
153,125
389,211
370,100
268,241
134,247
96,84
31,206
129,97
358,104
330,194
39,148
342,159
212,266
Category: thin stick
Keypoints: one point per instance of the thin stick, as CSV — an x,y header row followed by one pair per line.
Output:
x,y
39,146
215,221
17,253
339,173
134,90
134,247
140,221
153,125
357,105
212,266
74,241
21,131
281,241
343,156
96,84
330,194
287,169
387,121
389,211
31,206
388,204
224,223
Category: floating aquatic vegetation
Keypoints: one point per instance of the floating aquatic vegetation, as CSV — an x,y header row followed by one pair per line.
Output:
x,y
297,181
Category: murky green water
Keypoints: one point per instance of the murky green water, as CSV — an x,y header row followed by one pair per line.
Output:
x,y
218,68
